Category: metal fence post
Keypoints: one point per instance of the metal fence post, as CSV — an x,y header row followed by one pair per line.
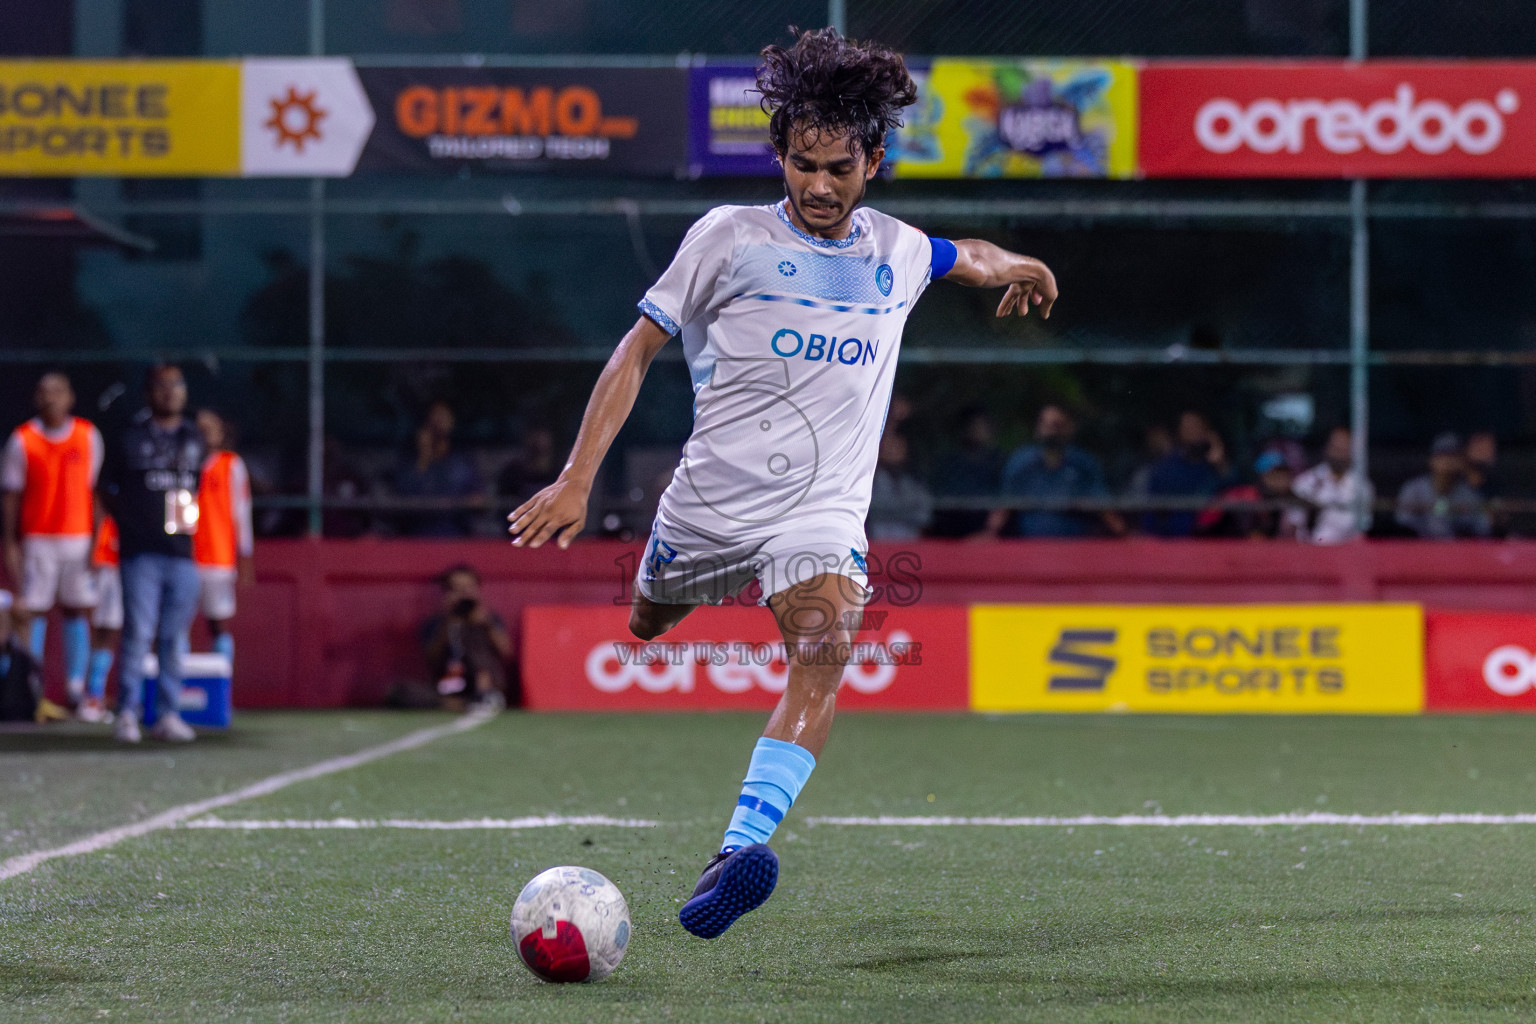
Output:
x,y
315,489
1359,297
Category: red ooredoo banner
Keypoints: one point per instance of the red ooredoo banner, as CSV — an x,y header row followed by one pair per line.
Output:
x,y
1479,661
1380,119
583,658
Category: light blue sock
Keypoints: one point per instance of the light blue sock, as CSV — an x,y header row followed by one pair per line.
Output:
x,y
96,678
775,776
224,644
77,648
39,636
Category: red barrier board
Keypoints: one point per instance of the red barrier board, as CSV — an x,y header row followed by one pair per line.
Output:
x,y
583,658
1479,661
1379,119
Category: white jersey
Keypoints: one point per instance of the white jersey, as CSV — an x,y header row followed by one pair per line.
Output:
x,y
1338,500
791,342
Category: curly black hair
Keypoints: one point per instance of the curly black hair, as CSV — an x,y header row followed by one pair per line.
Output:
x,y
827,83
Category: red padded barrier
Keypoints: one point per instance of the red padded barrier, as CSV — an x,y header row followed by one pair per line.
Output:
x,y
334,622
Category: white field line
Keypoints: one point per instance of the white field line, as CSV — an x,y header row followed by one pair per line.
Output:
x,y
24,863
464,824
1189,820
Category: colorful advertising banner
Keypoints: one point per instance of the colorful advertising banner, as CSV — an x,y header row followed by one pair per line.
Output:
x,y
306,118
1021,119
133,118
1480,661
583,658
728,128
258,118
1379,119
608,120
1282,659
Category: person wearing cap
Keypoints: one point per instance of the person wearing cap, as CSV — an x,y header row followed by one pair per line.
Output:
x,y
1441,504
1264,510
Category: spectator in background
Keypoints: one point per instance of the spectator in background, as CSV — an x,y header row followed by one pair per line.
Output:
x,y
1483,476
1156,444
1440,504
1053,469
534,468
150,483
223,544
437,471
340,478
971,469
1195,468
1281,518
466,644
898,413
1340,498
900,507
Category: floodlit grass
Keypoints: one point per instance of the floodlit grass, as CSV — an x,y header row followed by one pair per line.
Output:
x,y
958,923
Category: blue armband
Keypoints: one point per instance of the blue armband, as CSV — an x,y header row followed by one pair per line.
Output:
x,y
944,254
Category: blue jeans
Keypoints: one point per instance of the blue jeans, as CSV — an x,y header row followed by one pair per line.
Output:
x,y
159,602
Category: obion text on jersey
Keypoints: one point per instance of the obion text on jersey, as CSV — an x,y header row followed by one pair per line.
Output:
x,y
818,348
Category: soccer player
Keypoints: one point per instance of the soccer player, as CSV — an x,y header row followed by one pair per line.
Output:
x,y
48,473
791,318
222,545
106,620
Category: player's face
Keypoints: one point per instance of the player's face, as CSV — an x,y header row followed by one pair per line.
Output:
x,y
825,180
54,398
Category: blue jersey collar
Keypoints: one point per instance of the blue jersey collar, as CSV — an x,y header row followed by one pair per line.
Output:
x,y
782,209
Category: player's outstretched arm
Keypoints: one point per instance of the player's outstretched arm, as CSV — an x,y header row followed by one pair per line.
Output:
x,y
560,510
984,265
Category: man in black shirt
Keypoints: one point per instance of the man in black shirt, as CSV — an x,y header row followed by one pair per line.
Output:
x,y
150,484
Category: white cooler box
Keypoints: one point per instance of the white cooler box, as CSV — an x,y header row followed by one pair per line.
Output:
x,y
206,698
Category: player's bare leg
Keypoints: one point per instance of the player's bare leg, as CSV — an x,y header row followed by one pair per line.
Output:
x,y
649,619
818,620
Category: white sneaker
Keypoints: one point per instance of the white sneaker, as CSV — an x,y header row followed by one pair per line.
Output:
x,y
93,709
127,728
489,703
170,728
76,690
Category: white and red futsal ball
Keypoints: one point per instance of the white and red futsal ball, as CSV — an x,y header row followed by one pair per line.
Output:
x,y
571,924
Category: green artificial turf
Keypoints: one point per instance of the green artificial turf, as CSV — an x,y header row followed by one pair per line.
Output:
x,y
888,923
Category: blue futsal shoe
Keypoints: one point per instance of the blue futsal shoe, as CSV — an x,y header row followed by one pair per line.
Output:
x,y
734,882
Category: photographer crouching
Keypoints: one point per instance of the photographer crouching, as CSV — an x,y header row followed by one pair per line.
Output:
x,y
467,644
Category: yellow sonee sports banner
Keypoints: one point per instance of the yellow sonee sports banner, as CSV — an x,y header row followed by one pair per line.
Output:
x,y
1198,658
140,118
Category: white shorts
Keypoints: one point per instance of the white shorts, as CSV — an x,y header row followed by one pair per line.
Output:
x,y
56,571
682,566
109,598
218,592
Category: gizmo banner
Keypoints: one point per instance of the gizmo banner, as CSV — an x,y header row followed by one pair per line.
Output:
x,y
499,120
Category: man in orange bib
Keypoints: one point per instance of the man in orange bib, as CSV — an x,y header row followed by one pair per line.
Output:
x,y
48,473
106,619
222,545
